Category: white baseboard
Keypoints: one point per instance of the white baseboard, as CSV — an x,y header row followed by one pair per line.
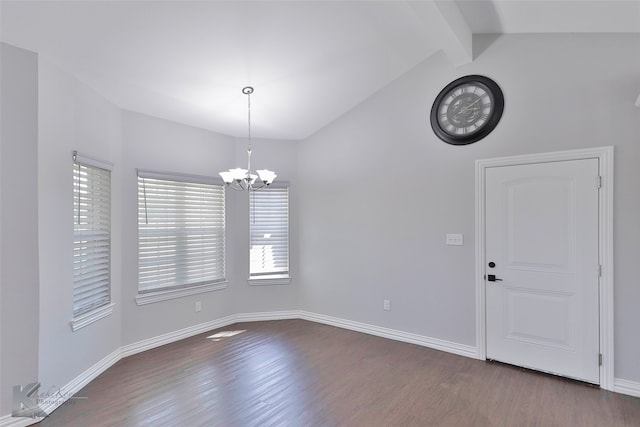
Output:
x,y
267,315
82,380
200,328
149,343
630,388
9,421
435,343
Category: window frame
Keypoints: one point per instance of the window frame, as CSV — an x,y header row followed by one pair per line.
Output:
x,y
85,317
177,291
272,278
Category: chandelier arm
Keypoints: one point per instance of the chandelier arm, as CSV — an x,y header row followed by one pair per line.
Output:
x,y
259,187
236,185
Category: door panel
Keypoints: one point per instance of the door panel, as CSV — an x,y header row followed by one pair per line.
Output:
x,y
544,203
542,233
521,309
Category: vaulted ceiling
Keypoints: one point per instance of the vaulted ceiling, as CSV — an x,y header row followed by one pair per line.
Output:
x,y
309,61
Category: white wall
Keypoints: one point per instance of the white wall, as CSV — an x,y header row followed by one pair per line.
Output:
x,y
72,117
18,222
381,191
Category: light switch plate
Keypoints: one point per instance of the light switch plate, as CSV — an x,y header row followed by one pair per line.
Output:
x,y
455,239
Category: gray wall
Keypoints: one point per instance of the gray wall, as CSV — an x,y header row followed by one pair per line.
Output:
x,y
150,143
160,145
279,156
19,221
381,191
156,144
72,117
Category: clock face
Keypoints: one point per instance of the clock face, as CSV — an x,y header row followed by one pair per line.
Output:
x,y
467,110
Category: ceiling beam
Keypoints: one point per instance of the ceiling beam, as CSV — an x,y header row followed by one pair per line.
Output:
x,y
444,21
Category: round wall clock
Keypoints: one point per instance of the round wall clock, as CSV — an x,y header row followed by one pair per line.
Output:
x,y
467,110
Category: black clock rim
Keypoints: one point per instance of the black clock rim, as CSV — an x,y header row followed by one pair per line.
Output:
x,y
485,130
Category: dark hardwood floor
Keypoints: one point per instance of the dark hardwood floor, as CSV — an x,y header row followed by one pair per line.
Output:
x,y
299,373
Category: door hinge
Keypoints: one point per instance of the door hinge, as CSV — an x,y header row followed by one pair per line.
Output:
x,y
599,270
599,181
600,359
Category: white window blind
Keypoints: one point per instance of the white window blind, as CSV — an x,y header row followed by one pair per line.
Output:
x,y
181,227
92,234
269,232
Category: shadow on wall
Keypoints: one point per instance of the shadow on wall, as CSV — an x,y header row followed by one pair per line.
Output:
x,y
487,10
480,44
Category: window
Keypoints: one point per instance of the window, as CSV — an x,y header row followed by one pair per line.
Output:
x,y
269,235
91,240
181,229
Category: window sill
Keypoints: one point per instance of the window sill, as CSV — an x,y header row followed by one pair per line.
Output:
x,y
276,279
90,317
163,295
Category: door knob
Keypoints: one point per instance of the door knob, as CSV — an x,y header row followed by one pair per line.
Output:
x,y
493,278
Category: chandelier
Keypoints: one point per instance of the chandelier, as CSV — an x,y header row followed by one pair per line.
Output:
x,y
245,179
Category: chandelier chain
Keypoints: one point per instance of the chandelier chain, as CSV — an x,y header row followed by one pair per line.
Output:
x,y
248,92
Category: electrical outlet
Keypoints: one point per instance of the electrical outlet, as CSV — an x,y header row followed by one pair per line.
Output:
x,y
455,239
386,304
198,306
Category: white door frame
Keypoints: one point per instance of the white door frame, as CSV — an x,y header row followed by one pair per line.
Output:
x,y
605,249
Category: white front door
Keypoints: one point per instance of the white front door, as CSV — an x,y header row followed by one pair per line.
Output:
x,y
542,251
